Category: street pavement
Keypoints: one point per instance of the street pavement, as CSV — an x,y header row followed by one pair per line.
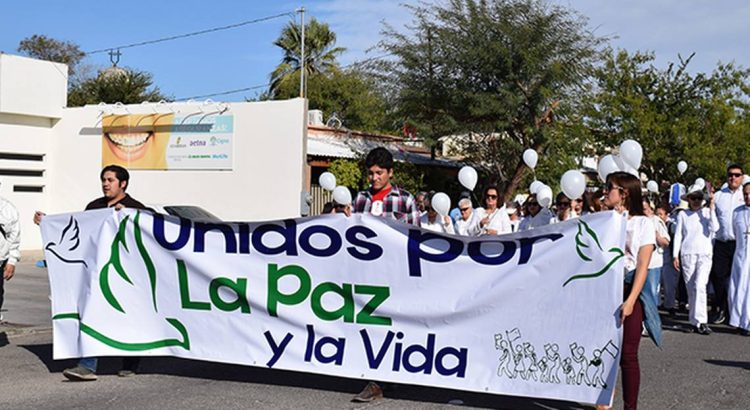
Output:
x,y
690,372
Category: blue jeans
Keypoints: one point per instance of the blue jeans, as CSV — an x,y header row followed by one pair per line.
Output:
x,y
89,363
652,281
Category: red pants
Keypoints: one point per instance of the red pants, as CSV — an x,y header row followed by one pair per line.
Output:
x,y
631,372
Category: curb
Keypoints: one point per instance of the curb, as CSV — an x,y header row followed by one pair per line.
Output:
x,y
14,332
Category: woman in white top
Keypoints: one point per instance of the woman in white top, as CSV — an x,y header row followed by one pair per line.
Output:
x,y
693,250
493,220
432,221
624,195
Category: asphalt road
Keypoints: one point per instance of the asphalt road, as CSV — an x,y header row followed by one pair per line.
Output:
x,y
690,372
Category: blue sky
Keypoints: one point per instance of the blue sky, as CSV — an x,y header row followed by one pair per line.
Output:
x,y
716,30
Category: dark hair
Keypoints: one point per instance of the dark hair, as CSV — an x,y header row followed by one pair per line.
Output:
x,y
631,186
735,165
121,174
500,197
560,196
744,185
381,157
327,207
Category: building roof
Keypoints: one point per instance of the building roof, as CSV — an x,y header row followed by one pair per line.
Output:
x,y
338,143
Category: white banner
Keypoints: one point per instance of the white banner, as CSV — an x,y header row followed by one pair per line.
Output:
x,y
530,314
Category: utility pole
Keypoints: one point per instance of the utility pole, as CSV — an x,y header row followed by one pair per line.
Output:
x,y
301,11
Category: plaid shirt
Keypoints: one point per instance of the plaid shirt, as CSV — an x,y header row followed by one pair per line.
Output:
x,y
398,204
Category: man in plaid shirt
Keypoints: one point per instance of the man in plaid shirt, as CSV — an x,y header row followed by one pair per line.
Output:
x,y
387,201
382,198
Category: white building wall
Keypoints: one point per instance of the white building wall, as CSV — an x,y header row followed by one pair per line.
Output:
x,y
265,182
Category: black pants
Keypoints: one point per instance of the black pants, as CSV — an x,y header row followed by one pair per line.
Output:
x,y
2,284
721,270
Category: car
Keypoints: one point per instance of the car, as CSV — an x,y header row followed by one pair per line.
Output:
x,y
186,211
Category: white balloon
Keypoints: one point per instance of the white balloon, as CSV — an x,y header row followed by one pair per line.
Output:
x,y
441,203
632,171
342,196
632,153
700,183
682,166
467,176
573,183
328,181
534,187
544,196
607,165
530,158
652,186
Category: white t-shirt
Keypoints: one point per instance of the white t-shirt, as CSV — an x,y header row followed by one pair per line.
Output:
x,y
499,220
439,225
657,260
640,232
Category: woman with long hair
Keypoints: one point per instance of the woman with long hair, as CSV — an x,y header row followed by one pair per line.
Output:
x,y
623,194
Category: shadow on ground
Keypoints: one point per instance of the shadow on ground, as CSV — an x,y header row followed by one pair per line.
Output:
x,y
227,372
729,363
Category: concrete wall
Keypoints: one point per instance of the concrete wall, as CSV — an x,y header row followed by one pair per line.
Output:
x,y
32,87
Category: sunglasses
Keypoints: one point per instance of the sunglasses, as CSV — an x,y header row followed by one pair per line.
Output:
x,y
733,175
610,186
533,203
695,198
464,209
563,204
491,196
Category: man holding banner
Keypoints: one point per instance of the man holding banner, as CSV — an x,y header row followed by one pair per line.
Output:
x,y
388,201
115,181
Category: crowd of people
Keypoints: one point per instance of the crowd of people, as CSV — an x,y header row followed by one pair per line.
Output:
x,y
675,255
702,238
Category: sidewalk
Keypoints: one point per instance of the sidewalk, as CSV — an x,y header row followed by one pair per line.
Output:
x,y
27,306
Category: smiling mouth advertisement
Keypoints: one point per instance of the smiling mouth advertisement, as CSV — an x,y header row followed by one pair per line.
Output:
x,y
168,141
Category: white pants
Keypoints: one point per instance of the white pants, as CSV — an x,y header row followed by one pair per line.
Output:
x,y
696,269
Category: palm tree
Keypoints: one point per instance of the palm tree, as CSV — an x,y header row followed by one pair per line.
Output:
x,y
320,53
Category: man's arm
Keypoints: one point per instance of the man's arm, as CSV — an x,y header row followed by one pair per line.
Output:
x,y
12,230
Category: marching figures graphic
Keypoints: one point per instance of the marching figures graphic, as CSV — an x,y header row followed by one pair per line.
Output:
x,y
518,359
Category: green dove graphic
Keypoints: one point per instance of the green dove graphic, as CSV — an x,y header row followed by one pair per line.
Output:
x,y
119,244
587,245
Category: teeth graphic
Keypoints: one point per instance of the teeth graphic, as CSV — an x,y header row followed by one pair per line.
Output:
x,y
129,142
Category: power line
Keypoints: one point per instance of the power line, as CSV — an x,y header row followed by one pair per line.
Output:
x,y
239,90
195,33
255,87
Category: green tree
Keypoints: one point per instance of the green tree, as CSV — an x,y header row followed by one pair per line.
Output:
x,y
348,173
320,52
113,85
350,94
501,70
46,48
675,115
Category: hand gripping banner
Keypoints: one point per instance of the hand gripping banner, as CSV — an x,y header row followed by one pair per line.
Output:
x,y
530,314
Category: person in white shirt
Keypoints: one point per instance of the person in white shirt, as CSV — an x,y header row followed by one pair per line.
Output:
x,y
565,208
493,220
536,216
514,214
432,221
466,224
657,259
669,276
739,283
727,200
10,242
693,251
623,194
